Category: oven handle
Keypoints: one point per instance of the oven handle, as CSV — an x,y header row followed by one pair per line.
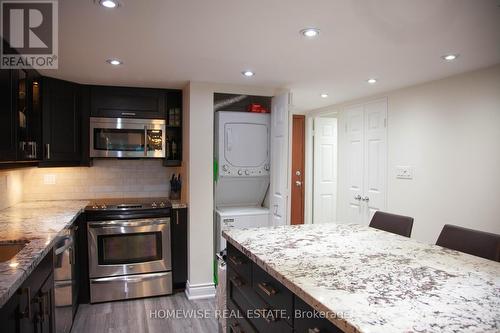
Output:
x,y
128,223
132,279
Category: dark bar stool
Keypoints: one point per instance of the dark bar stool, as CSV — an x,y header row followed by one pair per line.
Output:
x,y
397,224
478,243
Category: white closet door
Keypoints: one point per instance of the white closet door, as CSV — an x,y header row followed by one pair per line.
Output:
x,y
279,159
354,162
325,170
375,156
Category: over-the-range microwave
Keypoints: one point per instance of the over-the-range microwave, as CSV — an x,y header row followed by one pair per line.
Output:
x,y
129,138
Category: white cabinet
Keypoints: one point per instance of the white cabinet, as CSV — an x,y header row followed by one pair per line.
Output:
x,y
364,160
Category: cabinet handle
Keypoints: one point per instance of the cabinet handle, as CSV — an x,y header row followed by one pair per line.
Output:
x,y
176,216
27,313
236,328
366,198
262,313
237,281
235,260
266,288
47,149
313,330
128,113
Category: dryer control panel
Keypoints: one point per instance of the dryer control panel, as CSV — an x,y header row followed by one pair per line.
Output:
x,y
231,171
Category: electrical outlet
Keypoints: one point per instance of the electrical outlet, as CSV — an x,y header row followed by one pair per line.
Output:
x,y
49,179
404,172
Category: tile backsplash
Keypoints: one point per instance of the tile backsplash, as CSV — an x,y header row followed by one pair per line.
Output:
x,y
11,187
105,179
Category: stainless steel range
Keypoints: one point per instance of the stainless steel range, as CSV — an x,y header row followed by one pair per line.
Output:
x,y
129,248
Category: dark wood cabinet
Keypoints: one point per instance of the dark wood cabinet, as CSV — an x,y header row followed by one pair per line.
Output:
x,y
179,231
8,140
266,305
20,115
127,102
31,308
61,123
173,139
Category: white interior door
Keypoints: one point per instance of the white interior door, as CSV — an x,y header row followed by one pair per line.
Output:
x,y
354,122
375,156
325,170
279,159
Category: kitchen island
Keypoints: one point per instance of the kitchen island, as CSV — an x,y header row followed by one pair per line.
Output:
x,y
360,279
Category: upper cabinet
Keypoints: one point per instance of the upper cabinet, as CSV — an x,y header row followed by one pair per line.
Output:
x,y
62,135
20,115
8,140
126,102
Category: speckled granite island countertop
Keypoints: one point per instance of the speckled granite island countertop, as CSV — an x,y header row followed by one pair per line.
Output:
x,y
39,222
381,282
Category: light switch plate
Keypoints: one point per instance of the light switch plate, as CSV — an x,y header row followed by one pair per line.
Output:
x,y
49,179
404,172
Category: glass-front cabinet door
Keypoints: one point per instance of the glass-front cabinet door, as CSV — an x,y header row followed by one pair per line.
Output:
x,y
28,112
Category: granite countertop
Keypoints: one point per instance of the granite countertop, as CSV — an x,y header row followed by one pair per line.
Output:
x,y
38,222
369,280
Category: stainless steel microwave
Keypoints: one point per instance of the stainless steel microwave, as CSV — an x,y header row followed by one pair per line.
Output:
x,y
124,137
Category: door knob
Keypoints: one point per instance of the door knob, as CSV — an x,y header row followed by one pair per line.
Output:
x,y
366,199
297,173
298,183
357,197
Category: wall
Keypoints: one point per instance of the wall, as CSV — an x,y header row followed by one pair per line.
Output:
x,y
106,179
449,131
199,104
11,187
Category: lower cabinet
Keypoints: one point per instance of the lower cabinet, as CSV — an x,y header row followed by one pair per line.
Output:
x,y
179,231
257,302
31,308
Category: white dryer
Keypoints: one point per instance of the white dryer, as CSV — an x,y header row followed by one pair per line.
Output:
x,y
242,143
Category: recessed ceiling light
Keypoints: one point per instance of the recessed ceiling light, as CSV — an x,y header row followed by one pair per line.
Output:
x,y
310,32
371,81
450,57
324,95
114,62
248,73
109,3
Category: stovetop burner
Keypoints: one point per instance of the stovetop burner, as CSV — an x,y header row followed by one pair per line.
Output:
x,y
128,204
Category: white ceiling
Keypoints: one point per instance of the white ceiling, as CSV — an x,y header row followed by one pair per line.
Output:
x,y
165,43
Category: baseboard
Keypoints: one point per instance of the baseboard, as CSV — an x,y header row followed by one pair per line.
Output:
x,y
200,291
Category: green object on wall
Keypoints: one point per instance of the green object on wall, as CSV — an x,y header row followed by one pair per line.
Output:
x,y
216,170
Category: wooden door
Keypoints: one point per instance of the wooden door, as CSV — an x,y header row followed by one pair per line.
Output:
x,y
325,170
279,159
297,176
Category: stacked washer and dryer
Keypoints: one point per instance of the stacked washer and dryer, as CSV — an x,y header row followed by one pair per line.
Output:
x,y
242,149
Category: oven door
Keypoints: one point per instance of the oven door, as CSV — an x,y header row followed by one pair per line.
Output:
x,y
122,137
124,247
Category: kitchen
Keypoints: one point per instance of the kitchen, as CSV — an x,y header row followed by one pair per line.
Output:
x,y
115,185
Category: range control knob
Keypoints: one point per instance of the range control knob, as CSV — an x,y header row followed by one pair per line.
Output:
x,y
247,172
94,206
162,204
224,167
103,207
240,172
153,204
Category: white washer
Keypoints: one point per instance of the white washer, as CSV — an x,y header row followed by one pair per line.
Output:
x,y
238,217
